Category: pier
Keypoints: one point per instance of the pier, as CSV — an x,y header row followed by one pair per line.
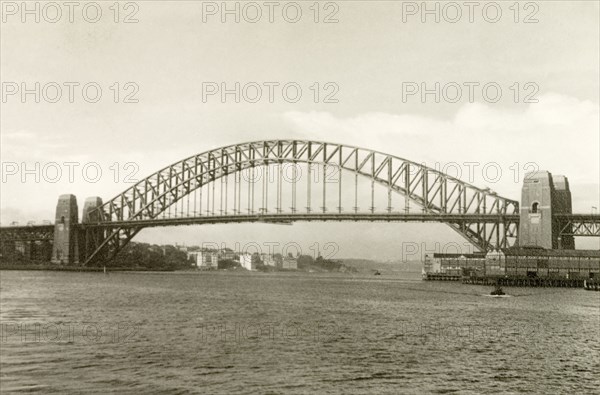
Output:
x,y
525,282
591,285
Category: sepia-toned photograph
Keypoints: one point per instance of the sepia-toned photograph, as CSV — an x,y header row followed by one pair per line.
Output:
x,y
300,197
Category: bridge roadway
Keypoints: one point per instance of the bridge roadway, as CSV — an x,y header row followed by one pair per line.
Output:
x,y
589,223
311,217
27,233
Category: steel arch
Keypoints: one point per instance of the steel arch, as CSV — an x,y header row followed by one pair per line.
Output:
x,y
434,191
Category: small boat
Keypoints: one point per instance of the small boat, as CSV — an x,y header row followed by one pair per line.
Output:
x,y
377,273
497,291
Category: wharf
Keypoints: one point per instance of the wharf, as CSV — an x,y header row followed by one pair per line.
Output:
x,y
591,285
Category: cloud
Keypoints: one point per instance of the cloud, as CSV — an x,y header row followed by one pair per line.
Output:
x,y
24,144
559,134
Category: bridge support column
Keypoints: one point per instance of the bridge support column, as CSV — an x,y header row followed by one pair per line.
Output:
x,y
542,197
562,205
66,237
92,237
535,225
8,249
46,250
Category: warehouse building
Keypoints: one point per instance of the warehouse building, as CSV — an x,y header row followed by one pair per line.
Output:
x,y
523,262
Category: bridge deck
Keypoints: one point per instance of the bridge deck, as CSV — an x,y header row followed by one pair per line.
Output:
x,y
308,217
579,217
27,233
305,217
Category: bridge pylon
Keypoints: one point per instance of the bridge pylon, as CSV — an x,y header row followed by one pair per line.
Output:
x,y
65,249
92,238
543,197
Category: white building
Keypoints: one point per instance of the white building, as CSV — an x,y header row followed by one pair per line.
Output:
x,y
247,262
431,264
205,259
193,256
208,260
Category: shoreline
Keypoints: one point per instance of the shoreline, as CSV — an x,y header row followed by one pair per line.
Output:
x,y
57,268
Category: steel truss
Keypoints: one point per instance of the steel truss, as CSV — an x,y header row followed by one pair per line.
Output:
x,y
578,224
27,233
434,192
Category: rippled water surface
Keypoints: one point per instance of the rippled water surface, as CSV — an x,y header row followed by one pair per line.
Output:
x,y
291,333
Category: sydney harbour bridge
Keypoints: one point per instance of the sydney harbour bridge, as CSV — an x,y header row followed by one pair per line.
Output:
x,y
284,181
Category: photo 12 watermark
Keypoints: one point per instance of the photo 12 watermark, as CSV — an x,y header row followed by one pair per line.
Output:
x,y
490,172
69,12
72,172
325,250
469,92
68,332
293,173
269,92
470,11
520,332
69,92
270,12
268,331
419,251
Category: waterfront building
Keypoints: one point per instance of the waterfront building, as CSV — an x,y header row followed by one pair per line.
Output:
x,y
268,260
539,262
209,259
457,264
431,264
289,263
183,248
247,261
193,256
523,262
205,259
227,254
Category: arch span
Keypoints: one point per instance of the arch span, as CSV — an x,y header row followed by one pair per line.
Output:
x,y
481,216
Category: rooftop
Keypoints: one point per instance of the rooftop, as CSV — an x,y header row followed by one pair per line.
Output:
x,y
537,251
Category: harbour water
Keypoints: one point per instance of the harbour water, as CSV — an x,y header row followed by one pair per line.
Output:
x,y
223,333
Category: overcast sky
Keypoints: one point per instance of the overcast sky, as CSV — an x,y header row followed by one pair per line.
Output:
x,y
372,51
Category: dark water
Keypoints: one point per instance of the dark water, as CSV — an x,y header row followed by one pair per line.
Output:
x,y
301,333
